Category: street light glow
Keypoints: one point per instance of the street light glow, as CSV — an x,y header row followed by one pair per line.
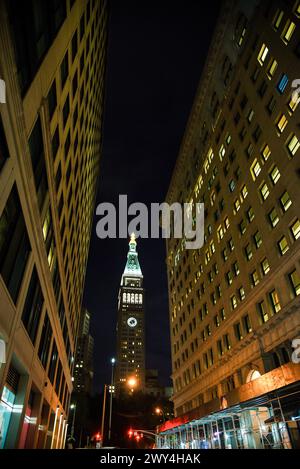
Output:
x,y
132,382
113,360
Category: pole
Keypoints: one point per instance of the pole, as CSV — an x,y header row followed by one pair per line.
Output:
x,y
111,396
103,413
73,422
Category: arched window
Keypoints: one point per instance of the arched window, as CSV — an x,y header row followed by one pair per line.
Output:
x,y
252,375
124,297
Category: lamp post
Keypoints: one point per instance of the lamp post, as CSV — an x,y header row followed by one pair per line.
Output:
x,y
73,407
103,412
113,361
160,411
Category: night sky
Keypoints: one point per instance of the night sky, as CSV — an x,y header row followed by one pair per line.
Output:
x,y
156,52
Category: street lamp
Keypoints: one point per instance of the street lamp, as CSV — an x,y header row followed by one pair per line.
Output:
x,y
113,361
132,382
160,411
73,407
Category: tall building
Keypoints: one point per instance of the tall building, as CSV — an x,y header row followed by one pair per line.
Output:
x,y
234,303
84,370
53,64
130,364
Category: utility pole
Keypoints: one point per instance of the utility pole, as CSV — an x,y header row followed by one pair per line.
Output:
x,y
113,360
103,413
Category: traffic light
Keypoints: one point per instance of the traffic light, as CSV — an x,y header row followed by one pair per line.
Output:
x,y
98,437
130,433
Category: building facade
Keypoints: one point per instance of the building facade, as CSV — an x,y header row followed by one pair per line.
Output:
x,y
235,303
130,363
84,369
53,65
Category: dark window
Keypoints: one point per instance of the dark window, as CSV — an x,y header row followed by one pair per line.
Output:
x,y
53,362
82,27
58,177
33,306
74,45
45,341
66,111
34,26
55,143
74,84
52,99
38,162
14,244
64,70
3,146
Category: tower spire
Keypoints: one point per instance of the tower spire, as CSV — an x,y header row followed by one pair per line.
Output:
x,y
132,267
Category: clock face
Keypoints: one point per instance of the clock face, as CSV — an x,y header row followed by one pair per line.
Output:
x,y
132,322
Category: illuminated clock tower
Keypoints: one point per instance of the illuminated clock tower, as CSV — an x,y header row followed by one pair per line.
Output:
x,y
130,365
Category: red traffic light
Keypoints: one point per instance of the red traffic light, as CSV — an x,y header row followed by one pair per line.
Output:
x,y
98,437
130,433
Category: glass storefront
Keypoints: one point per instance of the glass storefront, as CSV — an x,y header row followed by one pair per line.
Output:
x,y
6,408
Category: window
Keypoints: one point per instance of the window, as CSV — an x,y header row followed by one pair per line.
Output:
x,y
242,293
265,266
283,245
281,123
234,302
45,341
55,143
224,254
266,152
273,217
277,19
247,324
263,312
275,175
293,102
244,192
36,148
257,239
236,269
66,110
281,86
285,201
254,278
262,54
238,331
248,252
74,45
14,244
297,9
33,306
64,70
237,205
52,99
250,116
274,300
231,244
220,348
271,105
229,277
288,31
272,68
226,340
250,214
295,229
293,145
295,282
255,169
231,185
264,191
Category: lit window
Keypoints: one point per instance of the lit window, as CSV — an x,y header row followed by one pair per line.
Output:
x,y
295,229
231,245
236,269
248,252
297,9
266,152
272,68
265,266
242,293
262,54
250,116
288,31
282,123
283,245
274,299
226,223
244,192
275,175
281,86
285,201
263,312
234,302
277,19
222,152
220,232
231,185
293,145
229,277
273,217
242,227
294,101
264,191
254,278
247,324
295,282
255,169
237,205
257,239
250,214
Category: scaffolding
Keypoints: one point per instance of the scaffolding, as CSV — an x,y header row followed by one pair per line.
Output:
x,y
268,422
